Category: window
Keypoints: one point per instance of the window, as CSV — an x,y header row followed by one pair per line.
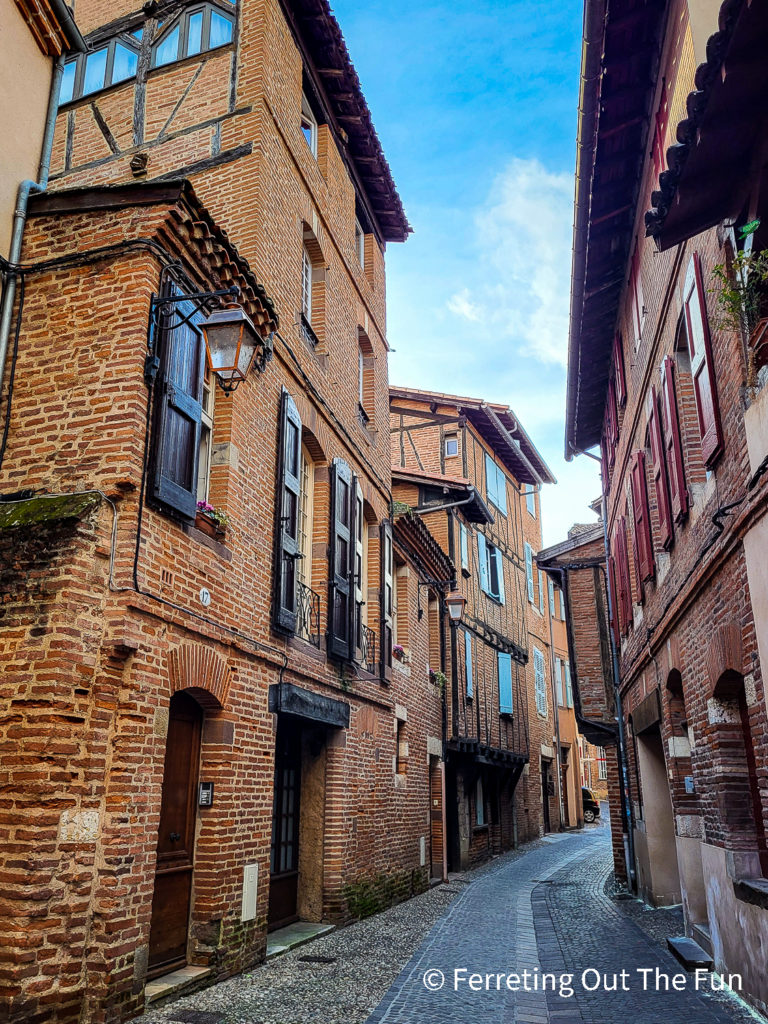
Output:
x,y
561,598
541,591
529,570
602,764
636,295
660,135
540,681
504,665
194,31
306,505
702,366
530,499
451,446
480,820
306,285
387,598
673,448
559,682
311,318
551,586
496,484
659,471
365,378
285,608
468,661
360,570
491,568
179,395
464,545
619,375
359,243
114,62
340,610
568,687
309,124
206,438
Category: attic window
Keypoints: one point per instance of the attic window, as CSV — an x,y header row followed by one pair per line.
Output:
x,y
198,29
115,61
309,124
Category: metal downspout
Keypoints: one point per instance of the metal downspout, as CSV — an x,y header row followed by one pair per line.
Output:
x,y
26,188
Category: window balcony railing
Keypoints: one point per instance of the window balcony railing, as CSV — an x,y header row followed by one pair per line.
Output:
x,y
308,615
362,415
307,333
368,649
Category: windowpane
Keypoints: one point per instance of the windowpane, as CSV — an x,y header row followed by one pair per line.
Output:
x,y
68,82
221,30
195,34
125,62
168,50
95,67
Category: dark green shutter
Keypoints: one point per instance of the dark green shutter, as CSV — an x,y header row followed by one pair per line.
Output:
x,y
387,598
287,527
340,612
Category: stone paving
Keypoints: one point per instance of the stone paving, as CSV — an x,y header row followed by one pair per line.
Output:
x,y
541,909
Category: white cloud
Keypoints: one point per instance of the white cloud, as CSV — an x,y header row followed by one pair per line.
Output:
x,y
461,304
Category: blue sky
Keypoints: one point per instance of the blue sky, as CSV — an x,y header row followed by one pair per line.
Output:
x,y
475,104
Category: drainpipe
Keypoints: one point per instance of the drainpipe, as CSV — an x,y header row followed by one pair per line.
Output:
x,y
26,188
556,706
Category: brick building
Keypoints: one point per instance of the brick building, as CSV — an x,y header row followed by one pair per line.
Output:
x,y
470,470
205,736
666,372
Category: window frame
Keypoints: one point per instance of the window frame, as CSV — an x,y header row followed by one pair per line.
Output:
x,y
310,117
530,499
540,681
205,447
124,39
528,551
360,243
181,20
468,680
449,439
498,497
636,295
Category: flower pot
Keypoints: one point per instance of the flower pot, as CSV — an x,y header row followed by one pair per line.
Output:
x,y
209,526
758,342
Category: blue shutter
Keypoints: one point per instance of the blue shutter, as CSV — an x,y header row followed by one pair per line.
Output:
x,y
568,687
540,681
529,570
501,490
551,598
483,562
541,591
559,681
500,573
468,660
490,480
464,540
505,683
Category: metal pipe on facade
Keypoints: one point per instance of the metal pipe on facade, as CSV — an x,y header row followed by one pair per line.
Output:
x,y
26,188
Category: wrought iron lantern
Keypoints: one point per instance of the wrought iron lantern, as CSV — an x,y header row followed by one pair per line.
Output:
x,y
231,341
455,602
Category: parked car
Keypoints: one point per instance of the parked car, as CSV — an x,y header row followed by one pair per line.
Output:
x,y
591,806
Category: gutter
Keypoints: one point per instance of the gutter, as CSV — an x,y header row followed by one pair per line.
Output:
x,y
593,34
513,443
70,29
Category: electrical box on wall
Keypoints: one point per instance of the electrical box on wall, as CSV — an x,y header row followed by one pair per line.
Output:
x,y
250,891
205,795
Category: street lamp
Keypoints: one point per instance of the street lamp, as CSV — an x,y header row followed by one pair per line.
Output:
x,y
231,340
455,602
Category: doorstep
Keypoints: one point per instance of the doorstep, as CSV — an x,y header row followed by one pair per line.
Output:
x,y
297,934
177,983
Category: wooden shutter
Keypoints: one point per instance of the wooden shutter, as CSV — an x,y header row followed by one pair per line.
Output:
x,y
287,528
529,570
468,660
622,567
178,413
504,662
387,597
614,608
551,587
340,639
541,592
482,559
559,681
643,539
540,681
666,529
678,492
490,480
702,366
500,573
464,543
359,556
618,370
568,687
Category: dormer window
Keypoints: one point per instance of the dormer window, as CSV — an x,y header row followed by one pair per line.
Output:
x,y
196,30
309,124
114,62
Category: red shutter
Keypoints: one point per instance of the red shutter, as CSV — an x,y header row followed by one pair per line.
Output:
x,y
662,119
673,447
606,464
643,541
702,366
618,368
666,529
622,565
636,292
614,611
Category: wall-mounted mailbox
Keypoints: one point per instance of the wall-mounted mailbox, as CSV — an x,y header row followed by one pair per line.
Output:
x,y
205,795
689,785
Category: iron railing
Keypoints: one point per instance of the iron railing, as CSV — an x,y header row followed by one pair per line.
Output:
x,y
308,615
368,649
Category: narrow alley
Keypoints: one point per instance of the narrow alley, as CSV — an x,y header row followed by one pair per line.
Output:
x,y
545,909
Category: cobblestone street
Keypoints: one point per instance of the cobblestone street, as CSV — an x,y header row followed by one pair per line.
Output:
x,y
543,908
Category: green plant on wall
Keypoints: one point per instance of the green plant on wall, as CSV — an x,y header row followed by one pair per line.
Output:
x,y
742,287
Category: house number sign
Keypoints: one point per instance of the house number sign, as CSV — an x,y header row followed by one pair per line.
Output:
x,y
205,596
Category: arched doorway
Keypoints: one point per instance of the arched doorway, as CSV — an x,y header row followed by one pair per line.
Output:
x,y
176,838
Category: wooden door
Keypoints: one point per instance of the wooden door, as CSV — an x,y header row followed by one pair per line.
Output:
x,y
284,853
545,785
175,838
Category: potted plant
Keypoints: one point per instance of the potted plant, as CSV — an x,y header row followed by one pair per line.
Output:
x,y
211,520
742,297
398,651
438,678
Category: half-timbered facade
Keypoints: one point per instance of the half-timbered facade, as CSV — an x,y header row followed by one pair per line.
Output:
x,y
667,373
464,466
